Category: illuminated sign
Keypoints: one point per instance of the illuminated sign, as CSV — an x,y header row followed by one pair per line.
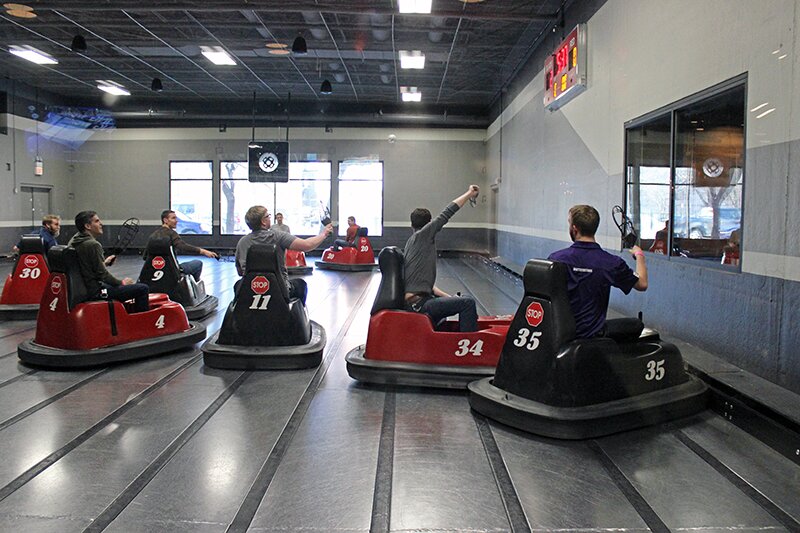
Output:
x,y
565,70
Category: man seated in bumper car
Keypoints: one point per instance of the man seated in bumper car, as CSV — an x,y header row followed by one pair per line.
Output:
x,y
169,221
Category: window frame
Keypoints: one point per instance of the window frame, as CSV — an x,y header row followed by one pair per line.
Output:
x,y
383,190
169,193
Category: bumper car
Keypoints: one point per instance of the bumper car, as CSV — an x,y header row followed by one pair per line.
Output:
x,y
296,263
23,289
405,348
265,329
357,258
73,332
162,273
550,383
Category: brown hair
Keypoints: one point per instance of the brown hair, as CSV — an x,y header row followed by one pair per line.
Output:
x,y
254,216
585,218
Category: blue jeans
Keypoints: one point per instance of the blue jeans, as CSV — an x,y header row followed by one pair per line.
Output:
x,y
192,268
137,291
338,244
441,308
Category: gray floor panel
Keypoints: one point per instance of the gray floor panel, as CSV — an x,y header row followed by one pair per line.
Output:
x,y
442,479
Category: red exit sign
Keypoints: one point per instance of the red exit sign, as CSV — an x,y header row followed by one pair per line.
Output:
x,y
565,70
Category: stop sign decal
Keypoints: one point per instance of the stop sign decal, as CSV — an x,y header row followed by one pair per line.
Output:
x,y
31,261
55,285
260,285
534,314
158,262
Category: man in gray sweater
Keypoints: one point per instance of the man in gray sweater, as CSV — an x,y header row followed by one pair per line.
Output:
x,y
419,273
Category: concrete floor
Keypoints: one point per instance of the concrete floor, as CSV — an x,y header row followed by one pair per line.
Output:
x,y
166,444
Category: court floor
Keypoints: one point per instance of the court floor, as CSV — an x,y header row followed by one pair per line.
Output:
x,y
166,444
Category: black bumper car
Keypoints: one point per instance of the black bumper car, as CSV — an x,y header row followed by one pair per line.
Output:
x,y
551,384
162,273
23,289
265,329
74,332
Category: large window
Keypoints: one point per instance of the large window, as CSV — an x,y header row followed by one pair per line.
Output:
x,y
685,173
190,184
361,195
302,200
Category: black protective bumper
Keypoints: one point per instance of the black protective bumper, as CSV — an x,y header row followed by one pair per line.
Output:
x,y
202,309
19,311
346,267
300,271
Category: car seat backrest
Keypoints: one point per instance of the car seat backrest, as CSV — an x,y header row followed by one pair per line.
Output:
x,y
391,292
362,232
64,259
31,244
161,271
263,259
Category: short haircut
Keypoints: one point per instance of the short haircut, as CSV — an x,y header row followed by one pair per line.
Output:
x,y
585,218
351,218
165,213
83,218
254,215
279,214
419,217
49,219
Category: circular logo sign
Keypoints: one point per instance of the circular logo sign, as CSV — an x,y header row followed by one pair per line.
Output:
x,y
260,285
268,162
158,262
713,167
31,261
55,285
534,314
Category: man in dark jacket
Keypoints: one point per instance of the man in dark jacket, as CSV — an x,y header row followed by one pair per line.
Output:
x,y
93,266
169,221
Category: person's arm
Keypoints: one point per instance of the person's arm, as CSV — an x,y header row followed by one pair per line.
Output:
x,y
472,192
439,292
306,245
182,246
100,273
641,268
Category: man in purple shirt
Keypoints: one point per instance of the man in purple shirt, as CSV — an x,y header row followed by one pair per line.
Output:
x,y
593,271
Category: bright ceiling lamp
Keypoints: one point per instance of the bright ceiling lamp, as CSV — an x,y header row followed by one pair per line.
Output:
x,y
413,59
33,55
112,88
217,55
414,6
410,94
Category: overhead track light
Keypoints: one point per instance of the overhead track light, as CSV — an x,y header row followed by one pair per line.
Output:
x,y
217,55
413,59
34,55
112,87
326,87
78,43
410,94
414,6
299,46
156,85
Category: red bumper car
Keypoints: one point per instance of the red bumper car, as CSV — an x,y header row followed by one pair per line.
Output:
x,y
296,263
162,273
265,329
404,348
357,258
550,383
23,289
72,332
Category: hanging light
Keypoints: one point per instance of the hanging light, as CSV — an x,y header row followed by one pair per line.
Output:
x,y
156,85
78,43
326,87
299,46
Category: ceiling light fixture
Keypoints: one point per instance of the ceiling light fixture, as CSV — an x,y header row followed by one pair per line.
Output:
x,y
34,55
112,88
414,6
410,94
277,45
217,55
280,52
17,7
299,46
413,59
326,87
21,13
472,1
78,43
156,85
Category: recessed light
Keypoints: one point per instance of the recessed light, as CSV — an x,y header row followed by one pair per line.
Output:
x,y
277,45
33,55
280,52
414,6
112,87
783,56
217,55
410,94
765,113
413,59
19,13
17,7
759,107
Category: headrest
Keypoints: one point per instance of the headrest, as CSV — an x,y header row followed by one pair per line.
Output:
x,y
545,279
362,232
31,244
390,260
59,256
391,292
158,246
262,258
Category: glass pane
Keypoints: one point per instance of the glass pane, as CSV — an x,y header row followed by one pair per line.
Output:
x,y
361,170
302,203
310,170
190,170
236,197
191,201
709,175
364,201
647,180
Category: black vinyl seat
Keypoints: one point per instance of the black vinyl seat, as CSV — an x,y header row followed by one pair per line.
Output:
x,y
64,259
391,291
550,383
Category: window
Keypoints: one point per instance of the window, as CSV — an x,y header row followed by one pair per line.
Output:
x,y
302,200
685,173
361,195
190,195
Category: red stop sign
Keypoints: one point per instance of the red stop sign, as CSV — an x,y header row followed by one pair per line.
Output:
x,y
534,314
55,285
31,261
158,262
260,285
